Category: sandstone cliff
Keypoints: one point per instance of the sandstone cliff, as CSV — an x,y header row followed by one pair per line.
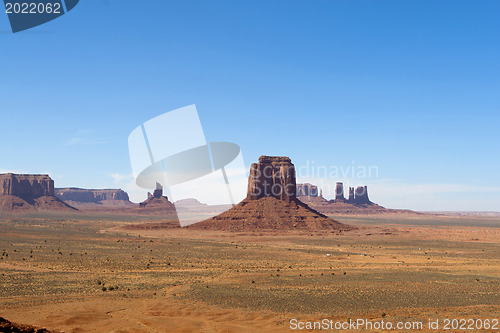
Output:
x,y
91,198
274,177
361,195
339,192
351,194
27,187
21,192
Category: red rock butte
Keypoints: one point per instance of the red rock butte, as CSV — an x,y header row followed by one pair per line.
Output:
x,y
157,204
271,203
20,192
357,203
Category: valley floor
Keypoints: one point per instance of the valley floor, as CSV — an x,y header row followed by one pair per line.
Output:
x,y
87,273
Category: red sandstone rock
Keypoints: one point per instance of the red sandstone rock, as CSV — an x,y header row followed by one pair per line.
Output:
x,y
7,326
351,207
273,176
27,187
361,195
270,213
339,192
91,198
21,192
351,195
157,204
268,209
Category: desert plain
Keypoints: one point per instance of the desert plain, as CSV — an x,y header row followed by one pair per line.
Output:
x,y
102,272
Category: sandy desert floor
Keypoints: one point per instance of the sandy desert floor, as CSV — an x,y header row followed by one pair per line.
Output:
x,y
87,273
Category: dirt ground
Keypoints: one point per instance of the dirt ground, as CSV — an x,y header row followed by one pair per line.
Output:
x,y
88,273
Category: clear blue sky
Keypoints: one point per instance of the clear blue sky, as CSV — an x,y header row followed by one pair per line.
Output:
x,y
411,87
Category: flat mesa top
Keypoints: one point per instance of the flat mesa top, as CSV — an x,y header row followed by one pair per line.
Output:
x,y
270,159
3,175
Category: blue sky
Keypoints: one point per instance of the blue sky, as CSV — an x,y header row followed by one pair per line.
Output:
x,y
411,87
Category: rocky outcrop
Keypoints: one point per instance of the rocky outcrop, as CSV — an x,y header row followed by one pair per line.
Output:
x,y
158,193
307,189
27,187
273,176
351,194
8,326
157,204
90,195
339,192
361,195
358,196
271,203
94,198
19,192
358,203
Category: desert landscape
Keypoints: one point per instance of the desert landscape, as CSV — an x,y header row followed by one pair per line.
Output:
x,y
262,266
223,166
93,273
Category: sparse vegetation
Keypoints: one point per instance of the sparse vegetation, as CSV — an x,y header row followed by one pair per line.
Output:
x,y
283,276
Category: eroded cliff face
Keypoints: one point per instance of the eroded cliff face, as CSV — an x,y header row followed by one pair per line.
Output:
x,y
351,194
356,196
272,176
20,192
361,195
90,196
26,187
339,192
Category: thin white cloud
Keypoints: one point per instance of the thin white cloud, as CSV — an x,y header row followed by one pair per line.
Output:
x,y
84,137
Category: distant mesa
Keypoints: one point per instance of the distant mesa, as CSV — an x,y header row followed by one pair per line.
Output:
x,y
25,192
94,199
190,202
306,190
271,203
